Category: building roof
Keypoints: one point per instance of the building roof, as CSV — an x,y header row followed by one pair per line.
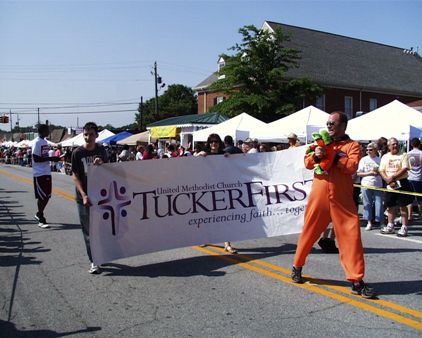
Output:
x,y
189,120
205,83
339,61
56,135
415,104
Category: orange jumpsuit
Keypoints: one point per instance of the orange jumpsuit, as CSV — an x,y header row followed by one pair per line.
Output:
x,y
331,200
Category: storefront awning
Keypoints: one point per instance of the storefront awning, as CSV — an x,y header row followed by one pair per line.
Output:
x,y
163,132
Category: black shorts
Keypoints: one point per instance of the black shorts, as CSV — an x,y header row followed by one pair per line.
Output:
x,y
42,187
393,199
417,187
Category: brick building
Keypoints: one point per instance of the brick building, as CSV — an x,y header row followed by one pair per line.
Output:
x,y
357,76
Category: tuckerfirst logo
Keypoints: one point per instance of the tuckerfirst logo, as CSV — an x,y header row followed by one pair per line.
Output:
x,y
113,205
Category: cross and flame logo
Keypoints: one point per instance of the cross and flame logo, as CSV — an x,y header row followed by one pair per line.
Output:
x,y
113,205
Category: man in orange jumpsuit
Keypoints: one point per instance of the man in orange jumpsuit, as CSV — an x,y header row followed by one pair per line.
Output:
x,y
331,200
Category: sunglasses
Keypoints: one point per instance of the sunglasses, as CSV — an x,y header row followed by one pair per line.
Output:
x,y
330,124
214,141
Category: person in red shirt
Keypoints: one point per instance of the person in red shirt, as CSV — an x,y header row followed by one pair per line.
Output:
x,y
148,153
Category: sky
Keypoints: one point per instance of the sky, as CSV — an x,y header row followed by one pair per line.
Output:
x,y
80,61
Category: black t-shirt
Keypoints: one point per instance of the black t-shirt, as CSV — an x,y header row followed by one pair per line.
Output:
x,y
233,150
81,158
68,156
220,152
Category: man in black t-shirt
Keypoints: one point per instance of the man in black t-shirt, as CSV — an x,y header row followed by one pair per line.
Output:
x,y
230,147
90,153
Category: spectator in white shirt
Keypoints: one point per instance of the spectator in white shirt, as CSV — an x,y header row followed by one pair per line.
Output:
x,y
415,174
368,170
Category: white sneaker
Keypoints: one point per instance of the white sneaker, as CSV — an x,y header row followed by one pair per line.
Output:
x,y
94,269
389,229
368,227
42,222
402,232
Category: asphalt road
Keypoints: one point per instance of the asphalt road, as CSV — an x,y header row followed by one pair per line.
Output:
x,y
190,292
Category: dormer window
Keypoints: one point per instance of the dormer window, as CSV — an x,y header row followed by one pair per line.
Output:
x,y
221,64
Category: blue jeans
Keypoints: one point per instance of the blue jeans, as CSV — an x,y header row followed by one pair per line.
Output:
x,y
372,198
83,212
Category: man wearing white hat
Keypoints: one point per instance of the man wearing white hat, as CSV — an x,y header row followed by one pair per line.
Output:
x,y
292,140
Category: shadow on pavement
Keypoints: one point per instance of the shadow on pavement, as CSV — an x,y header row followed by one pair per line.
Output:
x,y
15,248
64,226
388,250
399,287
8,329
192,266
383,288
15,245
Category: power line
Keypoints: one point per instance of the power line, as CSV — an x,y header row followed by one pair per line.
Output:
x,y
197,70
78,113
75,106
67,103
95,66
71,80
81,64
63,68
69,68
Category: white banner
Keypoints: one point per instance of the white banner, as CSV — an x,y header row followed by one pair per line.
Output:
x,y
146,206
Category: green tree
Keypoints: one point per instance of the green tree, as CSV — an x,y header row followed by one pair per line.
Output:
x,y
177,100
254,78
28,129
132,127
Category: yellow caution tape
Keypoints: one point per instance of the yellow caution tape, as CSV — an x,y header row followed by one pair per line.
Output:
x,y
389,190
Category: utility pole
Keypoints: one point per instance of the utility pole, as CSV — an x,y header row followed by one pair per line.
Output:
x,y
141,112
17,123
156,89
11,125
38,116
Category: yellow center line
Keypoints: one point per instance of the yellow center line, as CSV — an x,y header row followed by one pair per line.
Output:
x,y
249,265
55,191
330,285
16,177
381,302
351,299
327,284
63,194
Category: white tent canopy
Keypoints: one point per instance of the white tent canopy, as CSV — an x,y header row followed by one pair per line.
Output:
x,y
302,123
24,144
29,143
9,144
78,140
132,140
395,119
238,127
74,141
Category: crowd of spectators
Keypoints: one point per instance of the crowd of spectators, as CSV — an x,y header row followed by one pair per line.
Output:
x,y
18,156
368,174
